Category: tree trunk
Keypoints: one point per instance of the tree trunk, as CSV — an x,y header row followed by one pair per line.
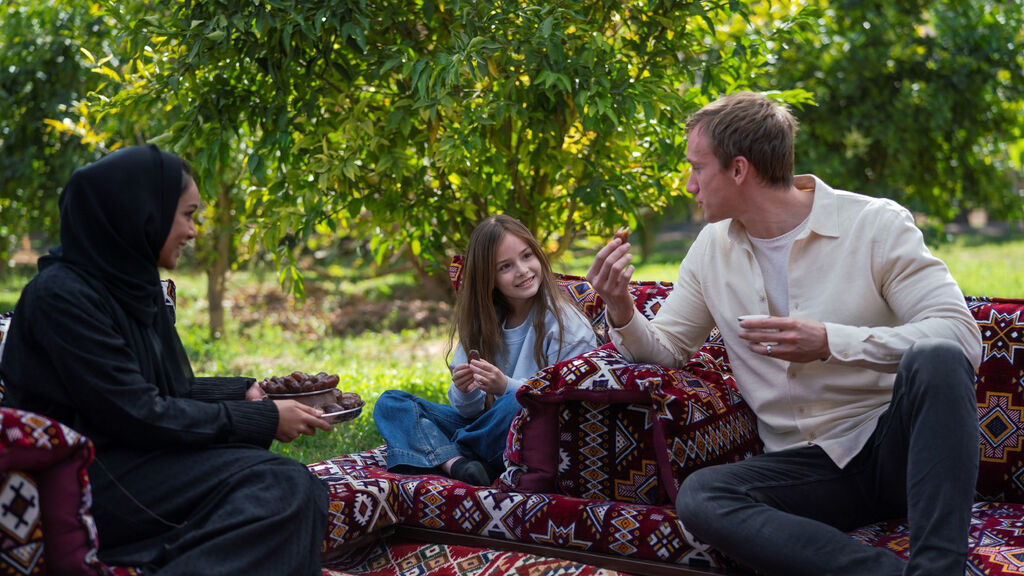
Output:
x,y
433,283
217,271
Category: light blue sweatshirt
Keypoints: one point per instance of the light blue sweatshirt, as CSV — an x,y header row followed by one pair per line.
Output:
x,y
515,359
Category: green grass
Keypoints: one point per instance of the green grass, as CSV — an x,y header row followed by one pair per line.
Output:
x,y
982,265
299,339
985,266
366,364
11,283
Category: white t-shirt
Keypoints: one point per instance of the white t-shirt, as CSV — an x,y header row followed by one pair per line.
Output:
x,y
772,256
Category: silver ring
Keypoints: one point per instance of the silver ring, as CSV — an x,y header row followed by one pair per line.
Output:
x,y
768,349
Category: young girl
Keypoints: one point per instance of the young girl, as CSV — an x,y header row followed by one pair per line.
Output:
x,y
511,320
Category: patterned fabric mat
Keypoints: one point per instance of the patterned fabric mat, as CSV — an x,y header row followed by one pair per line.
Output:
x,y
405,558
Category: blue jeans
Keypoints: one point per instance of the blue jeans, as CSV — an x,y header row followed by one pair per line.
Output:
x,y
424,434
787,512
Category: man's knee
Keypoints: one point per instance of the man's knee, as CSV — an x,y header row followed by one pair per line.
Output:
x,y
938,364
696,500
935,353
936,383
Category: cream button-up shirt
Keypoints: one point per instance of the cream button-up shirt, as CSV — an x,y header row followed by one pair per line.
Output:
x,y
861,267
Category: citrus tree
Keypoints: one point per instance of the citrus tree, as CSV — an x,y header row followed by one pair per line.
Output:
x,y
405,123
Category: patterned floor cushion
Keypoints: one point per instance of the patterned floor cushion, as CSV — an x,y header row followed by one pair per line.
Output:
x,y
620,529
634,531
45,483
402,558
1000,398
622,431
996,540
21,526
362,500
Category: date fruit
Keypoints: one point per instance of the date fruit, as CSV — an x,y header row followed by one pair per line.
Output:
x,y
299,382
347,400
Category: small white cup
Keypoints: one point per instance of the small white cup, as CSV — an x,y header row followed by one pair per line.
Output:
x,y
751,317
756,317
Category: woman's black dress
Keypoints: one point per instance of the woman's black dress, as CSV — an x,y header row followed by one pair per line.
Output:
x,y
182,481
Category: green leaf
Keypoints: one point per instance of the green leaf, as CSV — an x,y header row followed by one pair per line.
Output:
x,y
545,26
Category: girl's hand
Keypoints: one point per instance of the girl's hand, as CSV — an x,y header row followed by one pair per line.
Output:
x,y
255,392
488,377
294,419
462,378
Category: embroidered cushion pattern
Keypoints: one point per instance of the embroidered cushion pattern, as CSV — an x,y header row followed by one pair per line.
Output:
x,y
362,500
21,533
56,458
401,558
625,432
5,323
995,541
999,391
429,501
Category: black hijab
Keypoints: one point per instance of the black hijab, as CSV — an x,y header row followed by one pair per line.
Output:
x,y
115,215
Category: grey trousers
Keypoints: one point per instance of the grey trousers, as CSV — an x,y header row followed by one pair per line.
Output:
x,y
786,512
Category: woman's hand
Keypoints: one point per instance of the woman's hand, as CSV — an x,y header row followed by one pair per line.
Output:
x,y
255,392
487,377
294,419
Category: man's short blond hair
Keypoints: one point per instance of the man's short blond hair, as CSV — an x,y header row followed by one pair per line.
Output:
x,y
750,125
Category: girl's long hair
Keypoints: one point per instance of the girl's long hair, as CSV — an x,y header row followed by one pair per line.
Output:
x,y
481,308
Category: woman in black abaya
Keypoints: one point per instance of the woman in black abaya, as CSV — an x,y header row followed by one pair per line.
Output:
x,y
182,481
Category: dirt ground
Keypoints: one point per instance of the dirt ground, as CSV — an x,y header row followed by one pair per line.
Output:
x,y
342,315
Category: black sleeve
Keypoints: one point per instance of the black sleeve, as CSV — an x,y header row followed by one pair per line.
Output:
x,y
213,388
101,378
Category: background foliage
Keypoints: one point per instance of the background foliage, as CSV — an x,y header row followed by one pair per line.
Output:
x,y
42,77
395,126
919,101
408,123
